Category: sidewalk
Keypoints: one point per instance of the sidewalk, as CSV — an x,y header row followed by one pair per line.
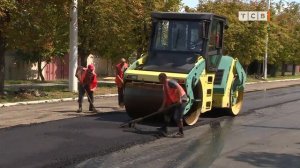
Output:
x,y
265,85
13,114
250,87
49,84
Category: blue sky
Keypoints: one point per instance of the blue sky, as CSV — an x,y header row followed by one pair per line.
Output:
x,y
190,3
194,3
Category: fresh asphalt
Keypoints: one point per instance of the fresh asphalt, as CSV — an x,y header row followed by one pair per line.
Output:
x,y
70,141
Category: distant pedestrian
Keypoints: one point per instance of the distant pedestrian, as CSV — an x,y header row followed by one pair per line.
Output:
x,y
175,95
87,83
120,69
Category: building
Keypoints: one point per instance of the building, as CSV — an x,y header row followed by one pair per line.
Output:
x,y
57,69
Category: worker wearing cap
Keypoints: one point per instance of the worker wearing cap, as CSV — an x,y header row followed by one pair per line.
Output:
x,y
120,69
173,94
87,83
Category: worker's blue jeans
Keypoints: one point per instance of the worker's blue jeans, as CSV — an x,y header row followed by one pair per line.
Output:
x,y
81,92
176,112
121,95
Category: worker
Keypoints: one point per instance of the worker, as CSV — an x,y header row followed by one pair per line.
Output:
x,y
120,69
175,95
87,83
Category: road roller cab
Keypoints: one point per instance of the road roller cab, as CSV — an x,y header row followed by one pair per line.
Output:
x,y
188,48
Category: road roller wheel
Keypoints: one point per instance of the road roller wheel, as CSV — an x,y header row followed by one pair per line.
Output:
x,y
192,118
236,101
142,99
194,114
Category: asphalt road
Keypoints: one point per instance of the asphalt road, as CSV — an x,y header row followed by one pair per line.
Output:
x,y
266,134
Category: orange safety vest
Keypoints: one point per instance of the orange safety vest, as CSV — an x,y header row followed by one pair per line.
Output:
x,y
81,74
171,94
120,74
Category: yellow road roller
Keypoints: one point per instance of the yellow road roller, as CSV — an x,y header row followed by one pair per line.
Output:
x,y
188,48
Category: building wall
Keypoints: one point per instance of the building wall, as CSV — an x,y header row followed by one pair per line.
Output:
x,y
57,69
18,70
105,67
290,68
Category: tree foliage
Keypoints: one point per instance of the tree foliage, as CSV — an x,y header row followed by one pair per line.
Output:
x,y
115,29
6,8
246,40
39,31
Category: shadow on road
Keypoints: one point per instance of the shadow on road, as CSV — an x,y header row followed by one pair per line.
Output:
x,y
198,149
143,132
261,126
265,159
204,151
117,116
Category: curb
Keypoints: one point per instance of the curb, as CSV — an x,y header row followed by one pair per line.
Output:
x,y
51,100
109,95
52,84
282,80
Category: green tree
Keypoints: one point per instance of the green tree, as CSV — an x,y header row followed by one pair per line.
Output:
x,y
39,31
6,8
142,20
286,22
244,40
114,29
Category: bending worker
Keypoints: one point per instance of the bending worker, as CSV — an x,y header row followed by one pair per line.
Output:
x,y
120,69
173,94
87,83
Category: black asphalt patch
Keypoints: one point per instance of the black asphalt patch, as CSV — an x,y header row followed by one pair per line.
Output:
x,y
69,141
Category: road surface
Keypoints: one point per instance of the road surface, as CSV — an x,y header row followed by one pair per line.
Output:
x,y
266,134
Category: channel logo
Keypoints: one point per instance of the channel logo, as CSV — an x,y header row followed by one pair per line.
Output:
x,y
254,16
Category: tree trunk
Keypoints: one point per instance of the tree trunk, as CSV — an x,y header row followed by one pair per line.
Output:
x,y
83,56
294,69
40,70
139,52
273,70
4,19
83,61
107,67
283,68
2,63
258,71
246,68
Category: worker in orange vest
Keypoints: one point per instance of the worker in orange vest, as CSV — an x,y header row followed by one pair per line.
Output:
x,y
120,69
173,94
87,83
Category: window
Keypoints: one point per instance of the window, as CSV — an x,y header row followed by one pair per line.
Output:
x,y
215,36
162,35
178,36
215,45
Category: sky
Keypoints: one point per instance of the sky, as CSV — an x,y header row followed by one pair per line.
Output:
x,y
194,3
190,3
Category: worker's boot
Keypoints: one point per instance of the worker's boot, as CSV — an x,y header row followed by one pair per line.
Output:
x,y
179,134
92,109
163,130
79,109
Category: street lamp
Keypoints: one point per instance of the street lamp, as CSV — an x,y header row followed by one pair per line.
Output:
x,y
267,40
73,56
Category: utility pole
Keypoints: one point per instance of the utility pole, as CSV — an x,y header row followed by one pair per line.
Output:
x,y
73,56
267,40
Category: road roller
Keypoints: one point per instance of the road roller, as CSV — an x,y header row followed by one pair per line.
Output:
x,y
188,47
